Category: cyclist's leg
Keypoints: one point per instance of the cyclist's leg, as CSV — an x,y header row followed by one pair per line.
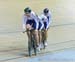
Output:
x,y
29,39
45,33
28,32
40,40
40,37
28,27
39,32
36,35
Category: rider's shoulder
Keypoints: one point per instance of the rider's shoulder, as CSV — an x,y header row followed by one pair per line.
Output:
x,y
33,14
43,16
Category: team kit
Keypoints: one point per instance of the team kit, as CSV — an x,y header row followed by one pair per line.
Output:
x,y
39,24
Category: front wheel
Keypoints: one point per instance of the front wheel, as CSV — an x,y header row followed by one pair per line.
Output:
x,y
30,48
34,45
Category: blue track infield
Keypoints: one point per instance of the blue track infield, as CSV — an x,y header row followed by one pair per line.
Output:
x,y
64,55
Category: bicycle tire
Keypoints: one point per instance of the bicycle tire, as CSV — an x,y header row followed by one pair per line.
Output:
x,y
34,47
30,46
43,41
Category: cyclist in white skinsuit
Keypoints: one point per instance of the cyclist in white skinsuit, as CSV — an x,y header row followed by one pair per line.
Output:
x,y
30,22
47,21
41,25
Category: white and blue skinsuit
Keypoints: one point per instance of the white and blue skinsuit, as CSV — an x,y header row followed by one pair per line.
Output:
x,y
41,25
46,20
32,20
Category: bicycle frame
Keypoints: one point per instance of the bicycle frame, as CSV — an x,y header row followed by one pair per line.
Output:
x,y
32,43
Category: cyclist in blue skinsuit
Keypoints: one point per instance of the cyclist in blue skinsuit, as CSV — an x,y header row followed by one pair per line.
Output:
x,y
30,22
46,18
41,25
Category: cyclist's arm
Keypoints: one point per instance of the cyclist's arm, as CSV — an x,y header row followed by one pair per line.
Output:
x,y
49,20
24,19
42,24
